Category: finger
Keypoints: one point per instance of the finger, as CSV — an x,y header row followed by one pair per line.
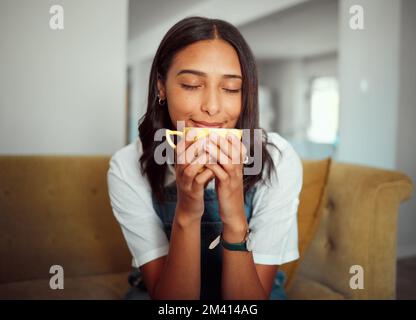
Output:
x,y
195,149
179,170
218,156
226,147
182,146
192,135
239,146
219,172
191,170
203,178
186,141
189,149
180,161
180,150
179,158
186,157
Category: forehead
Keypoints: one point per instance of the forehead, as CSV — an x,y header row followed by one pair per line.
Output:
x,y
210,56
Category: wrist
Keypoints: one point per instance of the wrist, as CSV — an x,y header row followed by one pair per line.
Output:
x,y
234,233
185,219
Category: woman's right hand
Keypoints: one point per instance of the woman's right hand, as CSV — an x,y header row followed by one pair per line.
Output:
x,y
191,184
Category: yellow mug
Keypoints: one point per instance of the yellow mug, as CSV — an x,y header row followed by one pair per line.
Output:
x,y
202,132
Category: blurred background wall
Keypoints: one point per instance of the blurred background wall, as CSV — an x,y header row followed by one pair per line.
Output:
x,y
62,91
327,88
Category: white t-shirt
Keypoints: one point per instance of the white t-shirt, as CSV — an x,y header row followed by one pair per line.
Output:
x,y
273,224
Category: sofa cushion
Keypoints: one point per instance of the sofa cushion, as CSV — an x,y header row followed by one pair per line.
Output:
x,y
307,289
358,227
102,287
56,211
312,201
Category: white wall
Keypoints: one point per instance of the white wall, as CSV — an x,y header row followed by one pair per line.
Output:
x,y
62,92
139,78
406,129
377,124
143,45
321,66
368,118
289,81
292,46
286,80
307,29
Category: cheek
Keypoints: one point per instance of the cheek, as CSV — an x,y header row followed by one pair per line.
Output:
x,y
181,103
233,110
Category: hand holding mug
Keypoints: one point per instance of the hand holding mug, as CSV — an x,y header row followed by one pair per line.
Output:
x,y
191,179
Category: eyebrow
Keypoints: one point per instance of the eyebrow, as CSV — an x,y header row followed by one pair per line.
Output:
x,y
203,74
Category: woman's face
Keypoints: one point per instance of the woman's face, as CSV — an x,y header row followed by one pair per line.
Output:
x,y
204,85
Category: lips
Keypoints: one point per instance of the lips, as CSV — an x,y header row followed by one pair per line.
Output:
x,y
203,124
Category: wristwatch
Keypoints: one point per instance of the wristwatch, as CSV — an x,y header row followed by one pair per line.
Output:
x,y
240,246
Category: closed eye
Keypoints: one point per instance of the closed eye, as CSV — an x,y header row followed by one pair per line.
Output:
x,y
232,91
188,87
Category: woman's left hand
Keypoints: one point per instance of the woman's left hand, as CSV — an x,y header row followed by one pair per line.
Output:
x,y
228,154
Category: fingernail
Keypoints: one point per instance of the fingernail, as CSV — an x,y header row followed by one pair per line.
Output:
x,y
191,135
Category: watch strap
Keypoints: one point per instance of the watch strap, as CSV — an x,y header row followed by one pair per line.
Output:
x,y
240,246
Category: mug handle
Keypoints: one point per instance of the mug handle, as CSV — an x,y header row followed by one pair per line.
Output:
x,y
169,139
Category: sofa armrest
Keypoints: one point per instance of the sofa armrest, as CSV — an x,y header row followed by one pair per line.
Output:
x,y
358,227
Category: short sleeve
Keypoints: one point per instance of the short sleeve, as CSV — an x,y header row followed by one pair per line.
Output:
x,y
131,203
274,219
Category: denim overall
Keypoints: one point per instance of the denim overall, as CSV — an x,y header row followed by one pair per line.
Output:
x,y
211,259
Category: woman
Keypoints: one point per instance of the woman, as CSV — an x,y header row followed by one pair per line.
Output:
x,y
204,74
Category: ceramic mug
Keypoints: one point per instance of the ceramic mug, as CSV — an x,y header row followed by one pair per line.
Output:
x,y
200,133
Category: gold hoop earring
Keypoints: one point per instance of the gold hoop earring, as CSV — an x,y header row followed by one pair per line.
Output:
x,y
161,101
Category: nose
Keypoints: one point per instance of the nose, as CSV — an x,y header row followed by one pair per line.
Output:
x,y
211,102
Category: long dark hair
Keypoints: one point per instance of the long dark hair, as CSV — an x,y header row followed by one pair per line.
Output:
x,y
182,34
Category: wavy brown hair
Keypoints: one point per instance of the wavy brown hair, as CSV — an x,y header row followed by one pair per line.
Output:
x,y
182,34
